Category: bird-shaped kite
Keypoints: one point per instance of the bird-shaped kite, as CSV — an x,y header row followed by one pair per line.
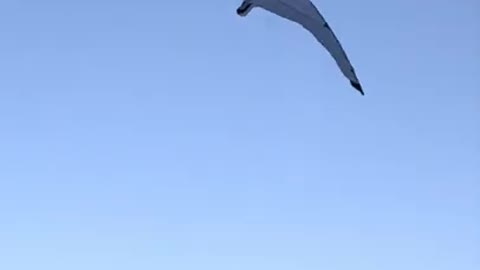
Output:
x,y
307,15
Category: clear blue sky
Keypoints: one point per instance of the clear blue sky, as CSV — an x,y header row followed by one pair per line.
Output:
x,y
176,135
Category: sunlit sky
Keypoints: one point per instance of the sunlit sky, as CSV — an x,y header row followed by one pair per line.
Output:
x,y
177,135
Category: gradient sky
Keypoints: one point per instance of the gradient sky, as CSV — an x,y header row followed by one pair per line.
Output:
x,y
176,135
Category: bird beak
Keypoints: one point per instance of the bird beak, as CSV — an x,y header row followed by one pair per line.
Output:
x,y
243,9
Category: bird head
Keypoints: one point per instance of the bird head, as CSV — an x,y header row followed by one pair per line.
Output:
x,y
245,8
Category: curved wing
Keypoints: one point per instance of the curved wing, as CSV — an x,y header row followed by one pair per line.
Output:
x,y
307,15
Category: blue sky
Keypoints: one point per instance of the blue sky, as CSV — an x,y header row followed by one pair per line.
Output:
x,y
177,135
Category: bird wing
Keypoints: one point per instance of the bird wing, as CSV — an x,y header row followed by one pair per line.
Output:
x,y
307,15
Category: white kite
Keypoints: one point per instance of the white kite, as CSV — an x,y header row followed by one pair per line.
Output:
x,y
307,15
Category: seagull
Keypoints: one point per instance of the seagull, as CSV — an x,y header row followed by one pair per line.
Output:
x,y
307,15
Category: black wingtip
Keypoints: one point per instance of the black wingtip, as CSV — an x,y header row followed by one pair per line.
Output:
x,y
358,87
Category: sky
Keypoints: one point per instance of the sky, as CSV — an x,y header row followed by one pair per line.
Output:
x,y
177,135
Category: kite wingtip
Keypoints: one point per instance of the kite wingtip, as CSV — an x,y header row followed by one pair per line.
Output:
x,y
357,86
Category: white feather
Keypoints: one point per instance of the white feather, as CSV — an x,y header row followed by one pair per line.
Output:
x,y
307,15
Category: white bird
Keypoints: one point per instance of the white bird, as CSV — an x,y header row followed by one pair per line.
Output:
x,y
307,15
